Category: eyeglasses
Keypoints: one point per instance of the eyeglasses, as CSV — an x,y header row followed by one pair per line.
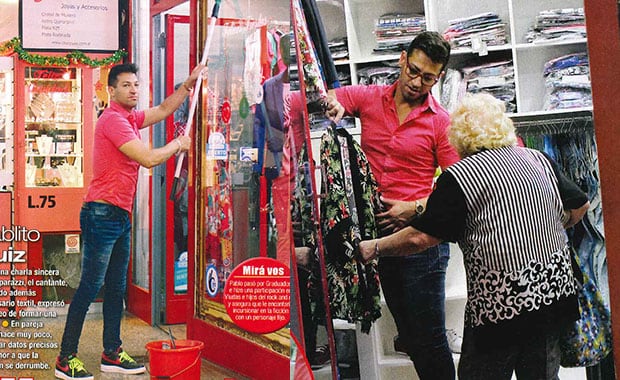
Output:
x,y
413,72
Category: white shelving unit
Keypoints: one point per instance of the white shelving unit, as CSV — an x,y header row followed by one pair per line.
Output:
x,y
355,20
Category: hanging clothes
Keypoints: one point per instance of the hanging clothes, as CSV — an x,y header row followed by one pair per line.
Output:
x,y
321,45
349,203
302,216
573,147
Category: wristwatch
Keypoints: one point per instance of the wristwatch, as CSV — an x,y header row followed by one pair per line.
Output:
x,y
419,209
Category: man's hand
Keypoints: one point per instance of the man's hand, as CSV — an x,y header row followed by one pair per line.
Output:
x,y
333,109
190,82
397,216
184,142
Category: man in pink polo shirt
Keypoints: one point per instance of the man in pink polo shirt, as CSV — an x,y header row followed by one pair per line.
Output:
x,y
405,140
105,220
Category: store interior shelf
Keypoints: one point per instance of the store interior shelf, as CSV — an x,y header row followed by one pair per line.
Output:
x,y
534,45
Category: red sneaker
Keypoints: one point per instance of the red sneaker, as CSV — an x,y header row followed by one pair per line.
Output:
x,y
120,362
70,367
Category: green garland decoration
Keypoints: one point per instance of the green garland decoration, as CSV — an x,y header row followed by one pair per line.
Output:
x,y
14,46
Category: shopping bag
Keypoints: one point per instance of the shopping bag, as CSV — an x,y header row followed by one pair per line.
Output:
x,y
589,339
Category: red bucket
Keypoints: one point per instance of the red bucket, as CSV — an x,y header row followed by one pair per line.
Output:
x,y
179,363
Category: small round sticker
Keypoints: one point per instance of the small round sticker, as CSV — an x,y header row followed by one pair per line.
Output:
x,y
212,281
257,295
226,111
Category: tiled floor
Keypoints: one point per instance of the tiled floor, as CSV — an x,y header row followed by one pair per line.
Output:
x,y
135,334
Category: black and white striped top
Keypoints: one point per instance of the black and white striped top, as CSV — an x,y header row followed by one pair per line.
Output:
x,y
514,245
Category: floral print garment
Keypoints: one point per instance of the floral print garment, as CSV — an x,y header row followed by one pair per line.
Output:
x,y
350,200
302,216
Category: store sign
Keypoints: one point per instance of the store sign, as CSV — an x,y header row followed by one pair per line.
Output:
x,y
69,25
60,80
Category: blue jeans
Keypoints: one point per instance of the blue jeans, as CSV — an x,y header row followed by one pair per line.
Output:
x,y
106,237
414,289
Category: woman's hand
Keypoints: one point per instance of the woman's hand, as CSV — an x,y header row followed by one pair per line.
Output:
x,y
368,249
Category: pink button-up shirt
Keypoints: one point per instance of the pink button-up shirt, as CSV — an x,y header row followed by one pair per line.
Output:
x,y
403,157
114,174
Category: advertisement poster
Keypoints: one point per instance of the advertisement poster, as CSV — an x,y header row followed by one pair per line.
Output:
x,y
70,25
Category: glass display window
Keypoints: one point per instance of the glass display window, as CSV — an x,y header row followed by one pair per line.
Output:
x,y
53,127
234,221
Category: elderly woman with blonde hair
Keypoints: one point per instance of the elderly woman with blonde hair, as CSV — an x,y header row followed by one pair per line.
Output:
x,y
507,207
480,123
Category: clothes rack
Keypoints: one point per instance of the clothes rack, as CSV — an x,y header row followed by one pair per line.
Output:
x,y
571,144
553,126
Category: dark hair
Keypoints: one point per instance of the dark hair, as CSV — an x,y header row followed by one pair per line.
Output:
x,y
119,69
433,45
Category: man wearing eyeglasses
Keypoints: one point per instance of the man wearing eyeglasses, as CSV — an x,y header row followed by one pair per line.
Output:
x,y
403,133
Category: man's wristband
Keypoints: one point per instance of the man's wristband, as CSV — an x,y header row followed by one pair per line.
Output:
x,y
188,88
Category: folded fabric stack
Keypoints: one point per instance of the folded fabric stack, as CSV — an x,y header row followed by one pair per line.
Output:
x,y
338,48
495,78
394,31
344,77
567,82
486,28
378,74
558,25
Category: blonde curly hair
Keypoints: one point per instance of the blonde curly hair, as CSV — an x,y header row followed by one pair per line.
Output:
x,y
480,122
